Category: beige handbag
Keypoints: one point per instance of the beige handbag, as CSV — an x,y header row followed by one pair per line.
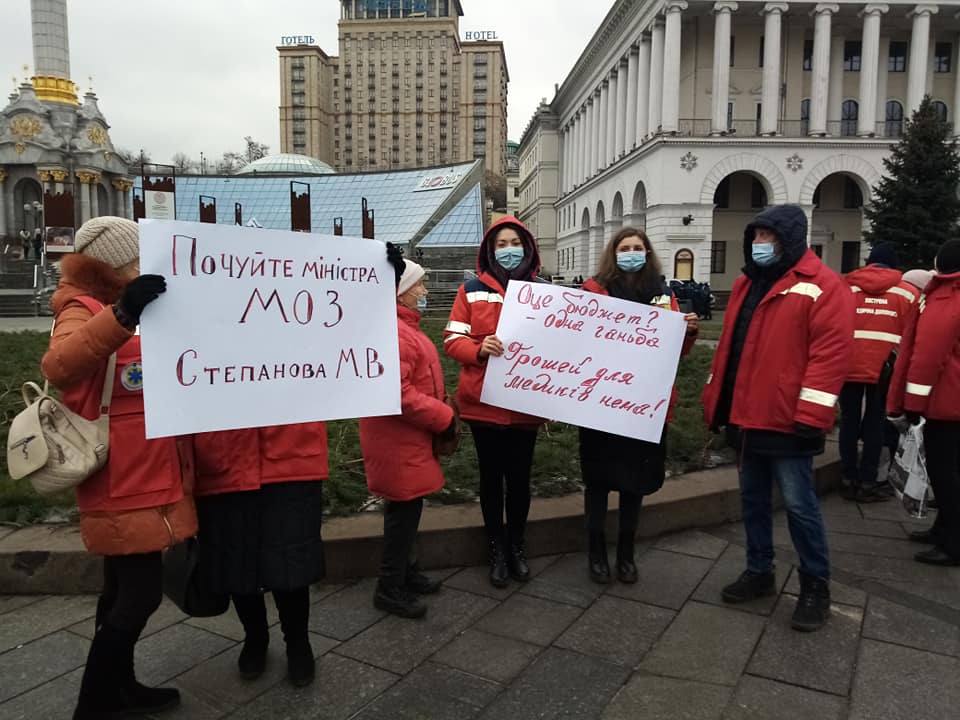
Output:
x,y
54,446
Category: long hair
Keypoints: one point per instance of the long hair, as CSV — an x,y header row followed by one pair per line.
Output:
x,y
608,273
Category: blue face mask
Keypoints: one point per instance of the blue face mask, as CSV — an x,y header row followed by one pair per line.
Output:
x,y
631,260
763,254
509,257
422,303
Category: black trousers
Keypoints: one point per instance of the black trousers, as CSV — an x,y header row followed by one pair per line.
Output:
x,y
293,607
400,522
595,510
941,441
504,455
132,591
859,419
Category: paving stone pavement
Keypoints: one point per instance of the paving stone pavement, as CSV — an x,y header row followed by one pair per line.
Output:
x,y
559,646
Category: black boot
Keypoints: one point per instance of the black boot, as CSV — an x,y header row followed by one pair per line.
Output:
x,y
750,586
626,568
813,605
517,562
294,609
499,577
397,600
417,582
599,564
252,611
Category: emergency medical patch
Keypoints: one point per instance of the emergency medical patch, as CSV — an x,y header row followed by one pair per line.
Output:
x,y
131,377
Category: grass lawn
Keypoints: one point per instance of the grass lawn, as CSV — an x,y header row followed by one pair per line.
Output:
x,y
556,469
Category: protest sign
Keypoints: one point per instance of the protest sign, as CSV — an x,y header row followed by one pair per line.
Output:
x,y
265,327
586,359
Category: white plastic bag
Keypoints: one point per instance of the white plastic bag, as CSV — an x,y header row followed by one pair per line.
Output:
x,y
908,471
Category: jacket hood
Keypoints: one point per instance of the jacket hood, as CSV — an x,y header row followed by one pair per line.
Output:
x,y
874,279
942,280
790,225
83,275
486,260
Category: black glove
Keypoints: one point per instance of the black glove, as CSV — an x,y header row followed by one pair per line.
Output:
x,y
138,293
395,258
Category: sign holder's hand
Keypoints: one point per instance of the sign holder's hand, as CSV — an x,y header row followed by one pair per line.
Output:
x,y
490,345
693,323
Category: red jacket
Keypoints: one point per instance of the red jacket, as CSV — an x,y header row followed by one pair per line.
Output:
x,y
926,379
797,354
883,305
593,286
140,500
398,449
475,314
241,460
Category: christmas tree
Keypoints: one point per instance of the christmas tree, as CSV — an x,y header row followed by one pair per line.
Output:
x,y
916,205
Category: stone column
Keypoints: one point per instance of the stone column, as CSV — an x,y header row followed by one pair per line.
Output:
x,y
94,195
630,104
643,89
883,58
128,199
58,177
45,179
955,111
835,91
613,96
594,132
603,117
655,103
578,147
721,66
917,63
85,179
770,97
821,66
669,119
624,108
117,197
869,69
3,204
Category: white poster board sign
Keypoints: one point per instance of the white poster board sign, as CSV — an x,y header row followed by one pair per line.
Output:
x,y
585,359
159,204
265,327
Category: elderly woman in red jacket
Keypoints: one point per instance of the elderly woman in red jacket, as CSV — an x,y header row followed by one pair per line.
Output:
x,y
260,506
630,270
139,503
398,449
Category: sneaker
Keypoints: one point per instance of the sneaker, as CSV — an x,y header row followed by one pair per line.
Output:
x,y
399,601
750,586
420,584
813,605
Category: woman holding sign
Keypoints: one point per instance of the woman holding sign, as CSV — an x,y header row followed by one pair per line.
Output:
x,y
398,450
629,270
504,439
138,504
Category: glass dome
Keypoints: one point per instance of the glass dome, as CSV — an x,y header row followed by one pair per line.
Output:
x,y
287,164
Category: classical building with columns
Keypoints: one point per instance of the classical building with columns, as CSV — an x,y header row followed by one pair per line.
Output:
x,y
685,118
55,151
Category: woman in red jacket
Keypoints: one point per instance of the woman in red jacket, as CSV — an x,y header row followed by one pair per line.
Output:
x,y
398,451
926,383
259,501
504,439
629,270
139,503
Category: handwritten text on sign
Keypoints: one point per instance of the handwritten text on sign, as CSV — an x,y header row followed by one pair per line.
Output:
x,y
265,327
586,359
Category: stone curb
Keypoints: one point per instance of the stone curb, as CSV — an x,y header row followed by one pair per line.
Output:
x,y
50,559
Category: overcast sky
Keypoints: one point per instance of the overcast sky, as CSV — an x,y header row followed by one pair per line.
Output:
x,y
199,75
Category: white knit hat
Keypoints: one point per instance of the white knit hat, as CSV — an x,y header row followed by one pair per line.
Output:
x,y
918,278
113,240
411,275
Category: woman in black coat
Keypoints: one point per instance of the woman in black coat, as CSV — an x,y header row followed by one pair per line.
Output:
x,y
629,270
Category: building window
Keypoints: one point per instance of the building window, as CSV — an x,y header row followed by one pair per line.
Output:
x,y
941,57
760,64
718,256
851,55
758,196
940,109
721,198
805,116
852,196
732,52
848,117
683,265
894,119
808,55
897,62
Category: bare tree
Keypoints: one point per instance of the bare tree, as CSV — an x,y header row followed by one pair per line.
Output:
x,y
233,160
183,164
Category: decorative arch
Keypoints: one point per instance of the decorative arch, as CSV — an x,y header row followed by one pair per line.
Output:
x,y
683,264
27,190
765,171
599,217
585,222
865,175
639,198
617,207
